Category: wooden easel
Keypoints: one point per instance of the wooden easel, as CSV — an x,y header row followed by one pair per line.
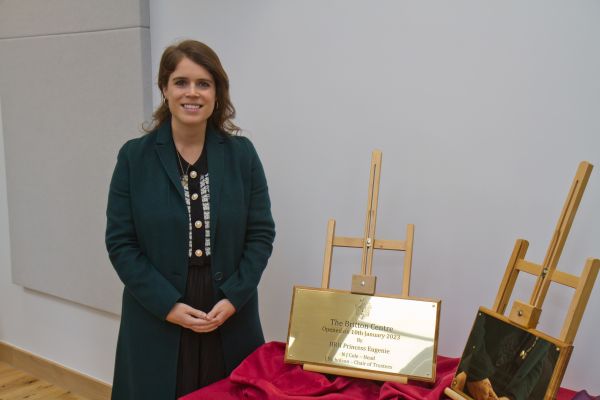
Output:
x,y
365,282
527,314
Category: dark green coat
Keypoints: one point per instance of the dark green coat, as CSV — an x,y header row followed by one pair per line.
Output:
x,y
147,241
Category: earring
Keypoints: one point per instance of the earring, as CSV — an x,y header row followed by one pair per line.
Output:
x,y
217,105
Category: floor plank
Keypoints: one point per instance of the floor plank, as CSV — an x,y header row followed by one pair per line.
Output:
x,y
18,385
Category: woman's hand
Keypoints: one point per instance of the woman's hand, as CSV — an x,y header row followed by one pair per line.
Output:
x,y
459,381
221,311
481,390
188,317
198,321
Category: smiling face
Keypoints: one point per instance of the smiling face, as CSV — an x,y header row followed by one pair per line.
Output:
x,y
191,95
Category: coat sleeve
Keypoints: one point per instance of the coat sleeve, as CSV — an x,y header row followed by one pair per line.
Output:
x,y
147,285
258,244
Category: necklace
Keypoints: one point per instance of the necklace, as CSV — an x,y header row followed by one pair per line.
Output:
x,y
184,173
525,352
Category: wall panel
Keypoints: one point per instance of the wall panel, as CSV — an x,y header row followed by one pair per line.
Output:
x,y
70,100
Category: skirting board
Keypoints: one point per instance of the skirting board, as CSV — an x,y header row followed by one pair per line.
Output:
x,y
54,373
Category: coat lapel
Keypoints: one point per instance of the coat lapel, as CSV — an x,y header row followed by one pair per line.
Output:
x,y
165,148
216,160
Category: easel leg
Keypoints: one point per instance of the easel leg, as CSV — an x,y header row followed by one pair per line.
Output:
x,y
328,254
408,250
580,299
510,276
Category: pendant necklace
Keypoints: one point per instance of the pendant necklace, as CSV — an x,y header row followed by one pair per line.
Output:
x,y
525,352
184,173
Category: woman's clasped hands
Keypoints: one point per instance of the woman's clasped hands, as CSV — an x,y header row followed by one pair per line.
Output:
x,y
199,321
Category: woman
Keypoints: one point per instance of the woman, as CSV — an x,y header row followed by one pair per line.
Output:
x,y
189,232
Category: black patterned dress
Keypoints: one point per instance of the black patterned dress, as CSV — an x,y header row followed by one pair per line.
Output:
x,y
200,354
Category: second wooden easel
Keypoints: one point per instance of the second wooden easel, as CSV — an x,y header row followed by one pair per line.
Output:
x,y
527,314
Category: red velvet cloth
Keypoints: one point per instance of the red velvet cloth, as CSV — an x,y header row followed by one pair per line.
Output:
x,y
265,376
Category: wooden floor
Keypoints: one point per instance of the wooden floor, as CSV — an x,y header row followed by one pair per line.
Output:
x,y
16,384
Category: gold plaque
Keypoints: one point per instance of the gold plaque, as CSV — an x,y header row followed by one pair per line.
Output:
x,y
373,333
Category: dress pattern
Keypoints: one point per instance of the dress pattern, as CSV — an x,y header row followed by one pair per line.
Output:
x,y
205,198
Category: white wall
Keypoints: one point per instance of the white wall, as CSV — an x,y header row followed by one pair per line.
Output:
x,y
482,110
73,335
55,48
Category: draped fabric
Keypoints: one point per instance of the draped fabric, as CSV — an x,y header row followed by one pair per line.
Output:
x,y
264,375
584,395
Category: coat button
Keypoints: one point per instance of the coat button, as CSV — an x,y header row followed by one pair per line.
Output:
x,y
218,276
198,253
193,174
195,196
198,224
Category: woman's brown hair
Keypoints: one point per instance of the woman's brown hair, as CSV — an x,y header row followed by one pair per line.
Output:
x,y
203,55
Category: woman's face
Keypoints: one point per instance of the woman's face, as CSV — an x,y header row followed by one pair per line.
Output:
x,y
191,95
